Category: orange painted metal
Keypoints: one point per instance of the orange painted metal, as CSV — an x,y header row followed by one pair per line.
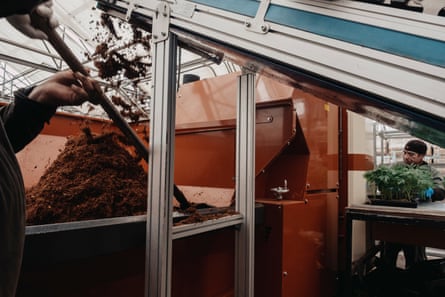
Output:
x,y
206,157
35,158
362,162
214,99
290,250
319,124
296,140
206,123
291,133
203,265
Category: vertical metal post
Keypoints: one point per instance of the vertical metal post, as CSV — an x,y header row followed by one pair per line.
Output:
x,y
160,177
4,77
382,148
347,282
245,185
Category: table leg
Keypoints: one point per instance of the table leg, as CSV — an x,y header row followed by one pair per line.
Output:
x,y
348,270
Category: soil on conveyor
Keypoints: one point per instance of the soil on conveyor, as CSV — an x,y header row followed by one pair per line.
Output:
x,y
95,177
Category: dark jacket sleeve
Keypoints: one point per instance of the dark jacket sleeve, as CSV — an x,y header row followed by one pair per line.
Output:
x,y
438,195
439,190
24,119
8,7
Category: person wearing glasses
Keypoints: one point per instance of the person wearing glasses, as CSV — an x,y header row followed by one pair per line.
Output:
x,y
413,154
388,280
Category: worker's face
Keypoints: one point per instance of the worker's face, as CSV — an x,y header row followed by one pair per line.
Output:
x,y
410,157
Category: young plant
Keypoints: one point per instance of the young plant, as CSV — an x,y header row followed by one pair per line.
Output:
x,y
400,181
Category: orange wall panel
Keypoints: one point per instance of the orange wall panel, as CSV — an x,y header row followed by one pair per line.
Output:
x,y
36,157
290,255
319,124
206,157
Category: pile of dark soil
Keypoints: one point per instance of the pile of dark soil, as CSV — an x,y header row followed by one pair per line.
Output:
x,y
94,177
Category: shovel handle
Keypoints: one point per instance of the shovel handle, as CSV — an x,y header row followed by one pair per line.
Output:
x,y
57,42
65,52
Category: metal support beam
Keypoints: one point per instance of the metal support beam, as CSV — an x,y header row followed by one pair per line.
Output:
x,y
27,63
29,48
160,177
245,186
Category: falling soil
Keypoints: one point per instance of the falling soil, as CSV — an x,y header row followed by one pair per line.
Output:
x,y
123,57
114,55
95,177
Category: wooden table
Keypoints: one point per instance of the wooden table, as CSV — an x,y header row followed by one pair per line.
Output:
x,y
424,226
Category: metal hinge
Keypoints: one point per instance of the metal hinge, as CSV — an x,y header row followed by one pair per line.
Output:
x,y
130,7
258,24
184,9
161,22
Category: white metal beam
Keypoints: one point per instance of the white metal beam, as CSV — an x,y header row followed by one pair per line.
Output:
x,y
245,185
160,172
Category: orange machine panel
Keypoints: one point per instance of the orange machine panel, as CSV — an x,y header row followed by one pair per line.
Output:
x,y
203,265
205,155
214,99
44,149
319,124
291,247
206,128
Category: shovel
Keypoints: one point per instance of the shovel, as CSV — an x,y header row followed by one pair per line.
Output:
x,y
99,96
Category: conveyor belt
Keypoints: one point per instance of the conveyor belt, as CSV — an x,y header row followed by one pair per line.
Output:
x,y
381,62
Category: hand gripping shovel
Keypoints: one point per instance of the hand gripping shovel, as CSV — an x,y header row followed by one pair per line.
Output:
x,y
99,96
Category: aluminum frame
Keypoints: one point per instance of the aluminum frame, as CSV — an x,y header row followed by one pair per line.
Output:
x,y
160,231
245,185
160,172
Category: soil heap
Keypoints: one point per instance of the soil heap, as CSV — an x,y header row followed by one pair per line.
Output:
x,y
96,177
93,177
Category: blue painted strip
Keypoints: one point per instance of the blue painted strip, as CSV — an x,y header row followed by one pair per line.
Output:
x,y
403,44
418,48
244,7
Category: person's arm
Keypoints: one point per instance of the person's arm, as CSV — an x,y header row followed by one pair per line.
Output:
x,y
25,117
439,190
8,8
19,16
